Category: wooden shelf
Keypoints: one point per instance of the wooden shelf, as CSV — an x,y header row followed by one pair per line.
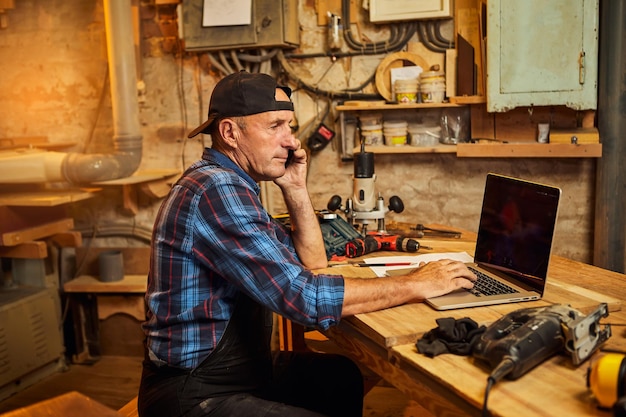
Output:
x,y
46,198
407,149
135,284
144,176
124,296
529,150
484,149
365,106
498,150
34,142
468,99
154,183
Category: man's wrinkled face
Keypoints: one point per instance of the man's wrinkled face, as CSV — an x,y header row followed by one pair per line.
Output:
x,y
266,141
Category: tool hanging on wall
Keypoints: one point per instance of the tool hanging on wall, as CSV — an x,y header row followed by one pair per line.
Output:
x,y
335,32
320,138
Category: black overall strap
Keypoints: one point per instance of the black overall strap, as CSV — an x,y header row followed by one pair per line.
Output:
x,y
241,361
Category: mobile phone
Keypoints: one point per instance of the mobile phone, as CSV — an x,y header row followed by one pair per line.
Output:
x,y
289,158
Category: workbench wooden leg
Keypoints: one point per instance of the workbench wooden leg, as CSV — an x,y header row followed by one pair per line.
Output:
x,y
291,335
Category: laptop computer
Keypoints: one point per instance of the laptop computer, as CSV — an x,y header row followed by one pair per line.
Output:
x,y
514,242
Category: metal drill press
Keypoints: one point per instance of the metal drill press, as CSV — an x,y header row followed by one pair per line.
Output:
x,y
365,207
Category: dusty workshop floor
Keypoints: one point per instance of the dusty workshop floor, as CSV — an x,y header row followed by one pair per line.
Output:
x,y
114,380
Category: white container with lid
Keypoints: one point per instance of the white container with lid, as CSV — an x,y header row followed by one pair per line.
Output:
x,y
371,119
406,90
424,135
432,87
432,76
432,92
372,135
395,132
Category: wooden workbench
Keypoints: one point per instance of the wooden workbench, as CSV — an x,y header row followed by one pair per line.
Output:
x,y
452,385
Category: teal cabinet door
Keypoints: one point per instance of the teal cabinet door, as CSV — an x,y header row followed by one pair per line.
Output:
x,y
542,53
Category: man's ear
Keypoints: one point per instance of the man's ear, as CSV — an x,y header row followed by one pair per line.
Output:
x,y
229,131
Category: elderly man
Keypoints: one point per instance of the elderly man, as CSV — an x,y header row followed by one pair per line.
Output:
x,y
221,265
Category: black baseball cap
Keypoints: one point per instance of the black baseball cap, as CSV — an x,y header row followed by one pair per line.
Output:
x,y
242,94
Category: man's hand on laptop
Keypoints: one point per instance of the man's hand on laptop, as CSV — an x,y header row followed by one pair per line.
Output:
x,y
441,277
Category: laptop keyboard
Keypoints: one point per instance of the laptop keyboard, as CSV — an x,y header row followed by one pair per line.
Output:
x,y
485,285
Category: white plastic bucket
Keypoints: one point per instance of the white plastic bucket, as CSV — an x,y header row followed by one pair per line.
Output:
x,y
395,133
422,135
432,87
432,92
406,90
370,119
372,135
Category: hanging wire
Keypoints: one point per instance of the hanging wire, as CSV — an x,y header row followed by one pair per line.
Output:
x,y
398,34
103,93
423,34
349,93
438,36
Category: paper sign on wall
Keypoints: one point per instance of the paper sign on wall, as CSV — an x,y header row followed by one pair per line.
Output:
x,y
226,12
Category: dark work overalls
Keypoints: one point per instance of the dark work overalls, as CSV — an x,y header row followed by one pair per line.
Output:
x,y
241,377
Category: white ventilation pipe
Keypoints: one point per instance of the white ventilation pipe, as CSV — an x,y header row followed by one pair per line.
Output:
x,y
127,140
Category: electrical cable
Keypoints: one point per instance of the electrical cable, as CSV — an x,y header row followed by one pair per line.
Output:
x,y
225,62
504,368
258,58
360,49
432,37
347,54
103,92
214,62
422,32
181,100
440,37
200,98
235,58
242,61
490,383
266,64
398,33
344,94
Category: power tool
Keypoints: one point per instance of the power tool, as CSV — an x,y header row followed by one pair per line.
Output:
x,y
524,338
336,232
364,207
375,242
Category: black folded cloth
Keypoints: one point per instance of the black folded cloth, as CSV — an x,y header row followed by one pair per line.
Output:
x,y
451,335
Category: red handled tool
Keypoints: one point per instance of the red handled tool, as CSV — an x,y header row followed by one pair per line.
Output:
x,y
377,242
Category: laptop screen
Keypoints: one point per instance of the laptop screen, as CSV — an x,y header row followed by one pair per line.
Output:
x,y
516,228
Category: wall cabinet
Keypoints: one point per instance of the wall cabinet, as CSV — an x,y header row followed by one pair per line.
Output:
x,y
541,53
531,54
